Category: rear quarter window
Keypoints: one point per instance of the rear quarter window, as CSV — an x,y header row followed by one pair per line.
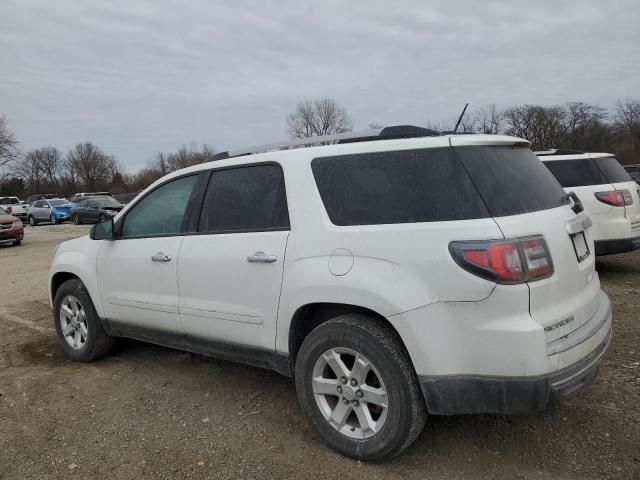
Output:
x,y
406,186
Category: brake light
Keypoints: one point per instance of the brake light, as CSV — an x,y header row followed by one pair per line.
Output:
x,y
505,261
616,198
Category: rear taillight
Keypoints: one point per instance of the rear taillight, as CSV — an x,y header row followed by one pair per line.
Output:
x,y
505,261
616,198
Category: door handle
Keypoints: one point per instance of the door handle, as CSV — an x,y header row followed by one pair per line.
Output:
x,y
161,257
261,257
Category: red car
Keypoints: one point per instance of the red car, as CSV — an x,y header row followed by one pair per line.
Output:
x,y
11,229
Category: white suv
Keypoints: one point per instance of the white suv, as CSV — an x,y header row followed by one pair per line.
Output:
x,y
608,194
394,273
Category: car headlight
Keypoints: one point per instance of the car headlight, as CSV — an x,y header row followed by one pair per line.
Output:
x,y
17,224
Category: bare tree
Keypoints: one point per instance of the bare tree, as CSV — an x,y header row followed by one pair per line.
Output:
x,y
488,120
318,117
93,167
29,168
544,127
8,148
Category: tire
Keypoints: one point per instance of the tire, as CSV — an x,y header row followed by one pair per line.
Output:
x,y
97,343
75,219
32,221
17,243
102,217
54,220
379,345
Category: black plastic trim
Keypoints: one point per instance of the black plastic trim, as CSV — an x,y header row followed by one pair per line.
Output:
x,y
234,352
611,247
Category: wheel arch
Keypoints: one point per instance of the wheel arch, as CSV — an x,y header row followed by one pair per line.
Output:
x,y
309,316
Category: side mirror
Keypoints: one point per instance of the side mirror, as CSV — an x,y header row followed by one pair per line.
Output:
x,y
102,230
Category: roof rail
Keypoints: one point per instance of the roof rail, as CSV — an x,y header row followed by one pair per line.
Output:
x,y
386,133
558,151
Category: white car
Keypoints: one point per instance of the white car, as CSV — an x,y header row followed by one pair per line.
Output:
x,y
13,206
608,193
394,273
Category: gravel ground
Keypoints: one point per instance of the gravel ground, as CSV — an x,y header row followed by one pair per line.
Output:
x,y
152,412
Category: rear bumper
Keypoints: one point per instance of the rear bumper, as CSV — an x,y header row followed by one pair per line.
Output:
x,y
466,394
610,247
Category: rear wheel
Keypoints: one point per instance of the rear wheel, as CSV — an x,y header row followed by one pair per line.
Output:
x,y
32,221
102,217
79,330
355,381
54,220
17,243
75,219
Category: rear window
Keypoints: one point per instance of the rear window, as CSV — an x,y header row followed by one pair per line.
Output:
x,y
9,201
612,169
585,171
407,186
511,180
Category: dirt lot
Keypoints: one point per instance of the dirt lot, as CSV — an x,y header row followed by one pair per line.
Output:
x,y
152,412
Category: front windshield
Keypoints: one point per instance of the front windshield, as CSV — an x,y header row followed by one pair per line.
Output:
x,y
107,202
9,201
59,201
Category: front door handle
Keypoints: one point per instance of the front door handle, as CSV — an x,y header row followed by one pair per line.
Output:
x,y
161,257
261,257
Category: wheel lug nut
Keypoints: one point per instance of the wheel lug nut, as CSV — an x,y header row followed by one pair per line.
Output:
x,y
344,380
356,403
359,393
345,401
354,382
339,389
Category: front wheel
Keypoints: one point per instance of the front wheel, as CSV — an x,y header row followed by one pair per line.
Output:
x,y
75,219
17,243
54,220
79,330
101,218
32,221
357,385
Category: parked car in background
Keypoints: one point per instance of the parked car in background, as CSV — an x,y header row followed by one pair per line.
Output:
x,y
13,206
394,274
633,171
40,196
125,198
79,196
54,210
94,209
11,229
607,192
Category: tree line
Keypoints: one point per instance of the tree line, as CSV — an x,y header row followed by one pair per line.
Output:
x,y
86,167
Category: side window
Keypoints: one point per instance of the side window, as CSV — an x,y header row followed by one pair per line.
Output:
x,y
38,204
245,199
162,211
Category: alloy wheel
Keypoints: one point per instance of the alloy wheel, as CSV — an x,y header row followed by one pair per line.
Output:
x,y
350,393
73,322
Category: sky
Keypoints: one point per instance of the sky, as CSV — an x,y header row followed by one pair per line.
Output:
x,y
138,77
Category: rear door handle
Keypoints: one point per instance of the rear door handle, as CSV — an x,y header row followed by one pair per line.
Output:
x,y
161,257
261,257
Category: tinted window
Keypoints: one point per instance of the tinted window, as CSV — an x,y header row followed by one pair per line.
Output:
x,y
426,185
40,204
9,201
245,199
511,180
162,211
576,173
612,169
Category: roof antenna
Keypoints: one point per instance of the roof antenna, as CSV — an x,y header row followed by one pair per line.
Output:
x,y
455,130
